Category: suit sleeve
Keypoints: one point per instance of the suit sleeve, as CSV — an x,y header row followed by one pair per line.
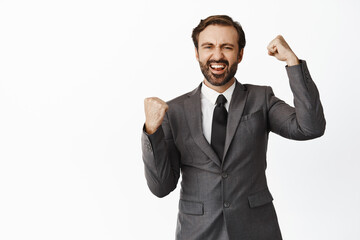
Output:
x,y
306,120
161,160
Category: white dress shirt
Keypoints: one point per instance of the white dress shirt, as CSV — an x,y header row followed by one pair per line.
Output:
x,y
208,103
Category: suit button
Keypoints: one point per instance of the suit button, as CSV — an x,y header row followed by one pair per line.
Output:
x,y
226,205
224,175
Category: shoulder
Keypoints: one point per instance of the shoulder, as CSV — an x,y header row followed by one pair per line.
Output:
x,y
178,105
180,99
255,90
258,93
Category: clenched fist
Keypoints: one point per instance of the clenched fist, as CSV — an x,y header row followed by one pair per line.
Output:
x,y
155,109
281,50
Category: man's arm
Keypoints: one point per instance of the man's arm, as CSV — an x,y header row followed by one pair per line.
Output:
x,y
160,155
306,120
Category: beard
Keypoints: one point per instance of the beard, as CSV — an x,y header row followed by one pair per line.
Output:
x,y
218,79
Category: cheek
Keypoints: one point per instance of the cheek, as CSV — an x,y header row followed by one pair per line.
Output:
x,y
203,60
232,58
204,56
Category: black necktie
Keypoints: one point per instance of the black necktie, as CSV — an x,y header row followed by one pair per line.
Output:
x,y
218,130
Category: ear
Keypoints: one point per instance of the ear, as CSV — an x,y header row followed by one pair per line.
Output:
x,y
241,53
196,54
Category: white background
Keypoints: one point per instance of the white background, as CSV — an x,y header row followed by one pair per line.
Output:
x,y
73,76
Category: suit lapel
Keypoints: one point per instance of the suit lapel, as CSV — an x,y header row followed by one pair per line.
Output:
x,y
192,106
236,109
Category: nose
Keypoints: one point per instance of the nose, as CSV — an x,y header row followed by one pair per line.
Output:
x,y
218,54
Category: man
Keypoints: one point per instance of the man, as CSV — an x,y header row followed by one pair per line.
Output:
x,y
217,136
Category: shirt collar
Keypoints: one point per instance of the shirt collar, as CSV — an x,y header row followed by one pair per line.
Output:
x,y
212,95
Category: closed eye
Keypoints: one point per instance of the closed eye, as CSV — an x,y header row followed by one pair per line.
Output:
x,y
228,46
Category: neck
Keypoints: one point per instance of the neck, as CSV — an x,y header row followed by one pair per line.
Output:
x,y
219,89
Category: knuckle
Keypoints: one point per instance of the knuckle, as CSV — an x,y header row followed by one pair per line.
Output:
x,y
149,99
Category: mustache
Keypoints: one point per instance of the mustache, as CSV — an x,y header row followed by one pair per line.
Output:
x,y
217,61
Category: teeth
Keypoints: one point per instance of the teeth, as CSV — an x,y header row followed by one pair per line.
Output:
x,y
217,66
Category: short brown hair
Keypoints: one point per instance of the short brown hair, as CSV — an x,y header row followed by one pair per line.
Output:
x,y
219,20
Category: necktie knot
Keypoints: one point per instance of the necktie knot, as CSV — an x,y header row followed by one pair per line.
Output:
x,y
221,100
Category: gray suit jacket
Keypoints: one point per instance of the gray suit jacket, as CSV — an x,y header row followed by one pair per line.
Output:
x,y
228,198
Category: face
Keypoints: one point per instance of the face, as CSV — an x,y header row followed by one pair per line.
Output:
x,y
218,53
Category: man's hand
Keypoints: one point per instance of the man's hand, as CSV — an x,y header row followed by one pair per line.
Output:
x,y
281,50
155,109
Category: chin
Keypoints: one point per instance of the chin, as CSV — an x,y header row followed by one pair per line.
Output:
x,y
219,82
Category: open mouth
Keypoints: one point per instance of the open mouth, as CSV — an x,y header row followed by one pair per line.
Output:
x,y
217,68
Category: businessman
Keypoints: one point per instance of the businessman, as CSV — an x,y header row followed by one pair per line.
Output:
x,y
216,137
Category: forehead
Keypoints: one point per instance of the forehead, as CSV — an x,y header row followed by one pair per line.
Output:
x,y
218,34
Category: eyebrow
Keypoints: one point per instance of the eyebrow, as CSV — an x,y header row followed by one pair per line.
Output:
x,y
222,45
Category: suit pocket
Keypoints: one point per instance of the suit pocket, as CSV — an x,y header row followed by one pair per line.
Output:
x,y
260,198
251,115
191,208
